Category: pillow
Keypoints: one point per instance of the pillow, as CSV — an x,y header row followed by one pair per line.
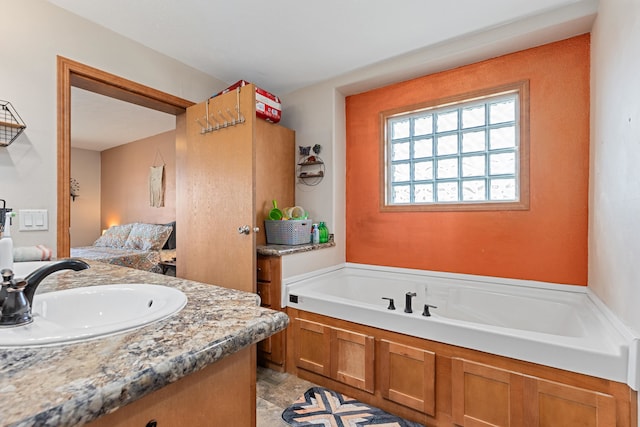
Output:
x,y
115,237
148,237
171,241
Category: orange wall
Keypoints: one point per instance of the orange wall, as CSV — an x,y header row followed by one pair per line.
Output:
x,y
548,242
125,181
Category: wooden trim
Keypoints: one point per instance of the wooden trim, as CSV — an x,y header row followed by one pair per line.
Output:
x,y
71,73
522,88
64,158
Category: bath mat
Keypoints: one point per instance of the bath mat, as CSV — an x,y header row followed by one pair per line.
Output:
x,y
322,407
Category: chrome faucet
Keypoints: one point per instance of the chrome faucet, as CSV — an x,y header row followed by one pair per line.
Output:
x,y
16,295
407,302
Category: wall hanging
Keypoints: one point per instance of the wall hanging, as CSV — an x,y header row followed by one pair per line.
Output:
x,y
156,182
11,125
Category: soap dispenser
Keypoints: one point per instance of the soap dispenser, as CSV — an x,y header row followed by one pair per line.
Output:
x,y
6,244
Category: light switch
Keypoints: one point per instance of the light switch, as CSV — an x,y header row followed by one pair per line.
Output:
x,y
33,219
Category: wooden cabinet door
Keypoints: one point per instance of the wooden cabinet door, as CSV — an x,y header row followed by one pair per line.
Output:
x,y
407,376
275,171
271,351
215,187
272,348
483,395
220,395
550,404
313,346
352,359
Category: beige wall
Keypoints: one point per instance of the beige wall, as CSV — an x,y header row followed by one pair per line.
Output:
x,y
614,246
85,209
125,181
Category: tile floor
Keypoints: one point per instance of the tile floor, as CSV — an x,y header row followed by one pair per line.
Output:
x,y
275,391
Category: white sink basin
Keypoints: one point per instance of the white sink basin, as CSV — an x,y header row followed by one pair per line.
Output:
x,y
86,313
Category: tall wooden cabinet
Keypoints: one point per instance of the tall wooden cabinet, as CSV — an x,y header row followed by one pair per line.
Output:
x,y
226,180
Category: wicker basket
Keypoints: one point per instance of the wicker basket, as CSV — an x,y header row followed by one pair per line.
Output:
x,y
288,232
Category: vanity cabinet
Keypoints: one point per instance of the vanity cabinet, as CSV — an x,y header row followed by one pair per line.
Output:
x,y
226,180
433,383
485,395
271,351
220,395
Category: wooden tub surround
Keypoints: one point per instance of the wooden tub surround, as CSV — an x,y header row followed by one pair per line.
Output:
x,y
438,384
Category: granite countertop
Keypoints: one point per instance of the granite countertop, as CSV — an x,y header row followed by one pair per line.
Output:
x,y
280,250
72,384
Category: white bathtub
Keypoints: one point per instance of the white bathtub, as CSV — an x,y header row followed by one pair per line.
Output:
x,y
562,326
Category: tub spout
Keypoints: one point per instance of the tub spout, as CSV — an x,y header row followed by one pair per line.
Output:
x,y
407,302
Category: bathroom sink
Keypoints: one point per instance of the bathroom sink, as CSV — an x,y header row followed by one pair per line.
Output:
x,y
92,312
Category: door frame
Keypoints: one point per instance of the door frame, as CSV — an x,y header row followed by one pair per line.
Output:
x,y
74,74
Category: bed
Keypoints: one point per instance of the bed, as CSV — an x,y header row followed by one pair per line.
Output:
x,y
141,246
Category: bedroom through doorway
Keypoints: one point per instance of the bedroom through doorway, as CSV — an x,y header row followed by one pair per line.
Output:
x,y
72,74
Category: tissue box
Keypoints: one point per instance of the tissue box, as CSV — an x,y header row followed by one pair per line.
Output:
x,y
268,106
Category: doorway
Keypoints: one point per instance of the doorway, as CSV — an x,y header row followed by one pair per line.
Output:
x,y
74,74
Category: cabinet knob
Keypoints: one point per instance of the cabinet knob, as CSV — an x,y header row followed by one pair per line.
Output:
x,y
245,229
152,423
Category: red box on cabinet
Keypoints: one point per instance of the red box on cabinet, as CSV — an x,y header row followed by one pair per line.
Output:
x,y
268,106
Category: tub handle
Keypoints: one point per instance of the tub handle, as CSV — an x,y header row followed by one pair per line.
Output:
x,y
391,305
426,309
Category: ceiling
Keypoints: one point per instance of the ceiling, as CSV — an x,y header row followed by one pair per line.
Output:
x,y
285,45
99,122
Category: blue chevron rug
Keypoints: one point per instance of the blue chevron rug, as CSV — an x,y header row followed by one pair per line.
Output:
x,y
322,407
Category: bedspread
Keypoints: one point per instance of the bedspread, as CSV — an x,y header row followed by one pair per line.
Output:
x,y
133,258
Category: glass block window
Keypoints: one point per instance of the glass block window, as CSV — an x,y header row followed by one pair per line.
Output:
x,y
470,153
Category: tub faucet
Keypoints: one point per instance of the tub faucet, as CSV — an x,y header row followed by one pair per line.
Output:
x,y
407,302
17,294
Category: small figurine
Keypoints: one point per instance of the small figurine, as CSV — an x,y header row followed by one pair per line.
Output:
x,y
304,151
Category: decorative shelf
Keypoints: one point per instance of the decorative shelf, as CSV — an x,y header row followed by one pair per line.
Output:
x,y
311,175
11,125
310,172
